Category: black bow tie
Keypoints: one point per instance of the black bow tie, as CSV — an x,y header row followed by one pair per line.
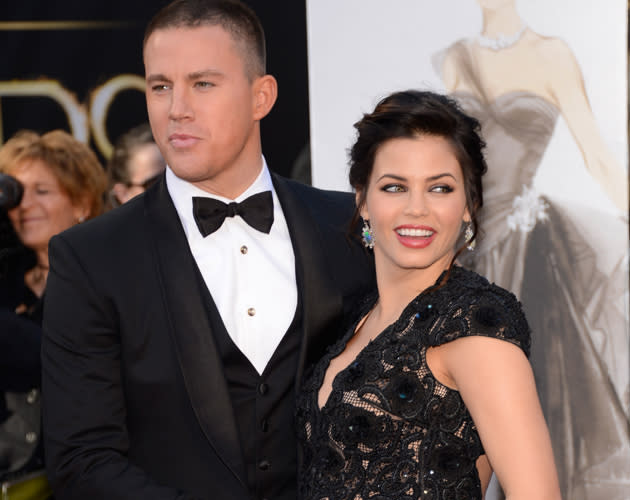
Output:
x,y
257,211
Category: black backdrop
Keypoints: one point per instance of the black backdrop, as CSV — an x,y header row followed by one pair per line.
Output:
x,y
83,56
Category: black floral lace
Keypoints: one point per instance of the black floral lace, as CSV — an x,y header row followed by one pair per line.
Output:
x,y
389,429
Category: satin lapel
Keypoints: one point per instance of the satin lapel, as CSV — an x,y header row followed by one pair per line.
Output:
x,y
321,301
190,329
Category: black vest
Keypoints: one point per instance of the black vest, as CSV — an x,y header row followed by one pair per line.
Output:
x,y
263,407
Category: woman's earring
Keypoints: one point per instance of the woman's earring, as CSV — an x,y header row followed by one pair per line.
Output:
x,y
367,235
468,236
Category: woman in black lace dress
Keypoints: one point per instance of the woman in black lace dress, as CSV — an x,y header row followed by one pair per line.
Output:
x,y
430,390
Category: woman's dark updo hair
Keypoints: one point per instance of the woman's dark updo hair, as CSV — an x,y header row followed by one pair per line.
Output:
x,y
414,113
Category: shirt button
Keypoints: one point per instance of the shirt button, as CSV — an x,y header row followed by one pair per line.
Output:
x,y
264,426
251,311
264,465
30,437
263,389
243,249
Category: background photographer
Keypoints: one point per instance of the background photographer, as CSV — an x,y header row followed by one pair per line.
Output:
x,y
63,184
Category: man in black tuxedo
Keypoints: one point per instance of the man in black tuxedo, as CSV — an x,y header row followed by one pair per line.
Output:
x,y
178,326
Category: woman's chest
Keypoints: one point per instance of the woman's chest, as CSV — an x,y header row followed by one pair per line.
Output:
x,y
390,379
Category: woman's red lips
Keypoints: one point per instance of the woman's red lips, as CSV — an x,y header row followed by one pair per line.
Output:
x,y
415,236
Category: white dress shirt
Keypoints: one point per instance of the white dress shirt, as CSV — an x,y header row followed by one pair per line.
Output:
x,y
250,274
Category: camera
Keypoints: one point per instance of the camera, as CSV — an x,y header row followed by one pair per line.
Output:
x,y
11,192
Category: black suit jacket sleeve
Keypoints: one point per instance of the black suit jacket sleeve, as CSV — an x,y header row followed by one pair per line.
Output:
x,y
82,383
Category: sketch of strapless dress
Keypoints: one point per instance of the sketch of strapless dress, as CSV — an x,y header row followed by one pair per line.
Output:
x,y
568,265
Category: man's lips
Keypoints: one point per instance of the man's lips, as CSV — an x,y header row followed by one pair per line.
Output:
x,y
182,141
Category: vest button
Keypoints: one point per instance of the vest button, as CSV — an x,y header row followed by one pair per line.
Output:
x,y
264,465
263,389
264,425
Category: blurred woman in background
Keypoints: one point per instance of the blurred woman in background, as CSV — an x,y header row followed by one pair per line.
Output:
x,y
63,185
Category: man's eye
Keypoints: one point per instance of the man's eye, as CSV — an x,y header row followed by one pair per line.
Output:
x,y
204,85
159,88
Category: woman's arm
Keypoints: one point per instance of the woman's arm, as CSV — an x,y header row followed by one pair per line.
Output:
x,y
567,86
497,385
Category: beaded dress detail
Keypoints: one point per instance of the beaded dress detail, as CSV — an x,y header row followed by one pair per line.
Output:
x,y
390,429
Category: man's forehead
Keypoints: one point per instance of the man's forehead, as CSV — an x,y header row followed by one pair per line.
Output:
x,y
188,39
194,49
185,31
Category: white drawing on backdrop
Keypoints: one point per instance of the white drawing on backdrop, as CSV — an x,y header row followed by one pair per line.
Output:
x,y
556,257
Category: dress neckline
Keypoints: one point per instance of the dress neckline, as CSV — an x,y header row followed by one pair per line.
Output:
x,y
508,95
341,344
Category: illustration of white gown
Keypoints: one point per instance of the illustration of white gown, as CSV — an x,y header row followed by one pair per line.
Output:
x,y
569,268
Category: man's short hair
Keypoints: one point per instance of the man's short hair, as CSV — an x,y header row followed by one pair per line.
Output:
x,y
239,20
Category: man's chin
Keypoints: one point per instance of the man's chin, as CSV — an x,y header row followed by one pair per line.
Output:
x,y
190,173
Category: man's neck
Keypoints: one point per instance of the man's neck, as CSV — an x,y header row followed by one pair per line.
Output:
x,y
232,186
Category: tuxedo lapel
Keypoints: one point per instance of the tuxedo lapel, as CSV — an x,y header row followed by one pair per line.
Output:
x,y
321,301
191,331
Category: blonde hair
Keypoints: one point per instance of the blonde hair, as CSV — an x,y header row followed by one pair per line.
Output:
x,y
73,163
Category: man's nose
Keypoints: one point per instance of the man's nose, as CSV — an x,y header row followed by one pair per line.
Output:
x,y
180,108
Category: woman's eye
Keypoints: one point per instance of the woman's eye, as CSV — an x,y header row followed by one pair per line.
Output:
x,y
393,188
442,188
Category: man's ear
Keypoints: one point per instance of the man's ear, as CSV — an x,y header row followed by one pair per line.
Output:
x,y
265,93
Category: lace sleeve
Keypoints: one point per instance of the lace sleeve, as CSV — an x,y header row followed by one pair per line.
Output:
x,y
483,309
471,306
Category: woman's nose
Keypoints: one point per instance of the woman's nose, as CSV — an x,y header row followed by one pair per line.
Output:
x,y
27,199
417,204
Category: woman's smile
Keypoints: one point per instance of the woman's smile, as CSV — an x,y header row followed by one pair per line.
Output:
x,y
415,236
